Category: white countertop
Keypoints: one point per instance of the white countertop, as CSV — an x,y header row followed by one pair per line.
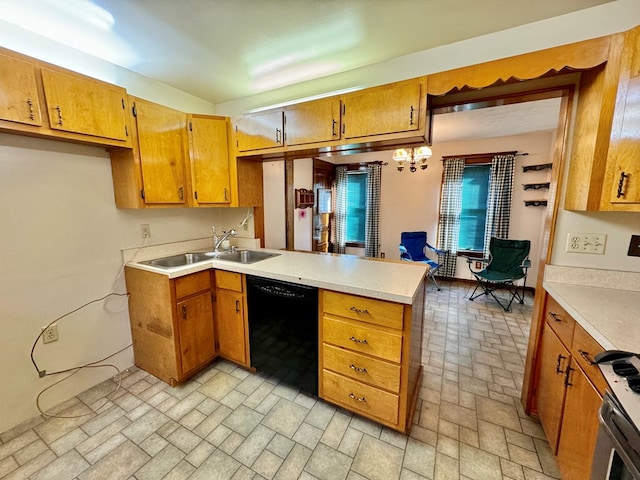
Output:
x,y
610,313
386,280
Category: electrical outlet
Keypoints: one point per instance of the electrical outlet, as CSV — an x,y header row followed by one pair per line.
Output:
x,y
634,246
50,333
586,243
146,231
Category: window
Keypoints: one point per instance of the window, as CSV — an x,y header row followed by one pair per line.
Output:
x,y
356,207
473,217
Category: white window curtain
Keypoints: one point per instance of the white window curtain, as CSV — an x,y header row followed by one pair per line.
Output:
x,y
449,219
499,199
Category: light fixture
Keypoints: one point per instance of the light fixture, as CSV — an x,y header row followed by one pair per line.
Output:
x,y
413,156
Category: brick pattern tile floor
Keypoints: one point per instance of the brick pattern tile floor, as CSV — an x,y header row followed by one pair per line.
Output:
x,y
230,424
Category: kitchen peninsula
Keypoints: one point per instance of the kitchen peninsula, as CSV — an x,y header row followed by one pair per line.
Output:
x,y
369,324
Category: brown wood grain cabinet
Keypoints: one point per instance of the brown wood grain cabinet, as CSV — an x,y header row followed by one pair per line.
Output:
x,y
568,391
259,131
393,108
603,168
19,101
231,321
172,323
209,159
313,122
85,105
370,355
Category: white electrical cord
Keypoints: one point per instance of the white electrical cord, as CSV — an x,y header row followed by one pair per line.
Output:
x,y
96,364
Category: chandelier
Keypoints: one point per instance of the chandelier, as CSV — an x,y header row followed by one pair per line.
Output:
x,y
412,156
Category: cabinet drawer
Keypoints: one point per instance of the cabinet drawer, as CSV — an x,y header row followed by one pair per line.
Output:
x,y
360,397
584,349
379,312
360,367
362,338
229,280
559,321
194,283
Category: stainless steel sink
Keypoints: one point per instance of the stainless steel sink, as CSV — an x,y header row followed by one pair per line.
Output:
x,y
240,256
178,260
247,256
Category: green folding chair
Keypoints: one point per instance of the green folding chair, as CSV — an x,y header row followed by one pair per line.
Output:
x,y
507,264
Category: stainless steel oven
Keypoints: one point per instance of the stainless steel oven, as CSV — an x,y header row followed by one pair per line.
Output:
x,y
617,452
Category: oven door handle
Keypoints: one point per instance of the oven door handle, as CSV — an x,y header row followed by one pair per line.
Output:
x,y
622,433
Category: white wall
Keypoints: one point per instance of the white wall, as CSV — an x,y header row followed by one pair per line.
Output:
x,y
61,238
275,234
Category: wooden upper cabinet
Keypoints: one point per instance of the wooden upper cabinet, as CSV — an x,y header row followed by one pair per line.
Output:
x,y
624,150
80,104
209,156
19,93
259,131
161,135
381,110
311,122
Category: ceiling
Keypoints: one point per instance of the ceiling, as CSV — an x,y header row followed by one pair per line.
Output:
x,y
221,50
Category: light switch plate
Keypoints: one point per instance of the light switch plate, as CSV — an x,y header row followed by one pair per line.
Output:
x,y
593,243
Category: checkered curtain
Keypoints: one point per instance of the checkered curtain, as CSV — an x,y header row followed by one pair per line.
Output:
x,y
449,220
499,199
340,210
372,216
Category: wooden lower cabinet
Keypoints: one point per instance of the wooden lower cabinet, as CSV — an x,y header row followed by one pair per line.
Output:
x,y
579,425
370,354
230,319
172,324
569,391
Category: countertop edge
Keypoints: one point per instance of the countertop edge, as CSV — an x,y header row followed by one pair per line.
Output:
x,y
302,279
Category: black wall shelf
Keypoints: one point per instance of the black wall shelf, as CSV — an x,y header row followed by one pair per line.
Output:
x,y
536,186
535,168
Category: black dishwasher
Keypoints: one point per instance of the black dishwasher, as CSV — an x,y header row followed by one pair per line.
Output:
x,y
283,331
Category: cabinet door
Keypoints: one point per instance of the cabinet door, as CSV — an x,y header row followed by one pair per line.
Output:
x,y
84,105
579,426
19,95
161,142
230,326
257,131
626,147
381,110
209,154
554,360
310,122
195,327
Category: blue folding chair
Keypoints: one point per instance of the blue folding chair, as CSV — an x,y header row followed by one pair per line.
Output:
x,y
412,249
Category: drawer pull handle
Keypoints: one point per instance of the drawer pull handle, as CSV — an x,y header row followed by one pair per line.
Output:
x,y
184,312
357,340
558,369
589,359
555,316
358,310
621,185
359,399
567,382
358,369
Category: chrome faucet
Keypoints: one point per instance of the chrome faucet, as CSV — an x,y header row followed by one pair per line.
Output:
x,y
218,241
